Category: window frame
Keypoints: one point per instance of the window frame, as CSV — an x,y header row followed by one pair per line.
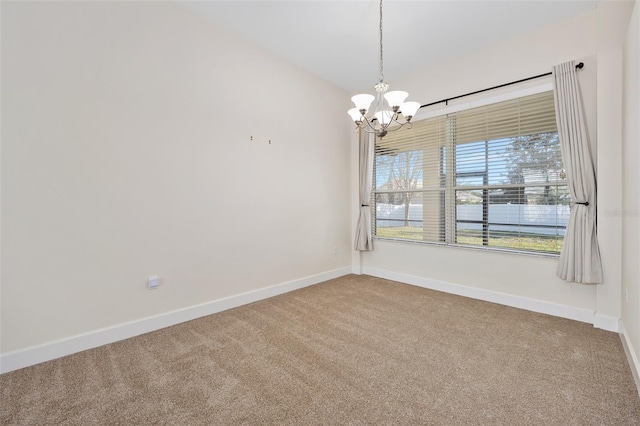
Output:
x,y
449,218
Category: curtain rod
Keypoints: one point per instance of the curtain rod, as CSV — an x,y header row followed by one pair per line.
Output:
x,y
446,101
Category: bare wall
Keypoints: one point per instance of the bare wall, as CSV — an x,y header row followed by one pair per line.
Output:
x,y
138,139
629,214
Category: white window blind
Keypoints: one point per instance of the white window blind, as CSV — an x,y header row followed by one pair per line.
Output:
x,y
489,177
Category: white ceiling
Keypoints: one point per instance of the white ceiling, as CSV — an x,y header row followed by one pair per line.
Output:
x,y
338,40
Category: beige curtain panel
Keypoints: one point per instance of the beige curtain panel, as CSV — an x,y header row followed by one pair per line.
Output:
x,y
580,257
364,240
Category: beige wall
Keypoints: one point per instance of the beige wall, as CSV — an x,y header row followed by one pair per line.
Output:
x,y
630,212
126,152
612,23
517,275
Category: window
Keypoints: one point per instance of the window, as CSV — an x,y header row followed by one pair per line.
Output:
x,y
489,177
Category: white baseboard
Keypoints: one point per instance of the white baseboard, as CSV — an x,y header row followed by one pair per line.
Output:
x,y
606,322
555,309
632,357
48,351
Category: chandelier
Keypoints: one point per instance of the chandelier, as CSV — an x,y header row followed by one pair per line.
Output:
x,y
390,111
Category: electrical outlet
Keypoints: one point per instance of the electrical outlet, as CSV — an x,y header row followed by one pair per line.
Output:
x,y
335,250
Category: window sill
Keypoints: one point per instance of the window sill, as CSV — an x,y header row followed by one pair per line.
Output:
x,y
474,248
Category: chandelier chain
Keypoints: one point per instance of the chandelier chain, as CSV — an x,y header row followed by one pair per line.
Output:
x,y
381,76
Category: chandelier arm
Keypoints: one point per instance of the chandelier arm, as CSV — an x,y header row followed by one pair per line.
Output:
x,y
367,125
368,128
400,126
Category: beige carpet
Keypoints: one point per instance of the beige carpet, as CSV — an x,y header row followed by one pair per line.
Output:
x,y
356,350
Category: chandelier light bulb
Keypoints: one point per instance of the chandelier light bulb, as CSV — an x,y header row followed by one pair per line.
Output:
x,y
355,115
395,98
363,102
409,109
384,117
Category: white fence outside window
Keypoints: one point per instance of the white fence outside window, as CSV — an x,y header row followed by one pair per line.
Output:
x,y
548,219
